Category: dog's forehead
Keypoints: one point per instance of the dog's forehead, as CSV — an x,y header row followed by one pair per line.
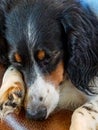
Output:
x,y
32,24
37,13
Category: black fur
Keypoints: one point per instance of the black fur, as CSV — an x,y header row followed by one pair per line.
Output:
x,y
61,26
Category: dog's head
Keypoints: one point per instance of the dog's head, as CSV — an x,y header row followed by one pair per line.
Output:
x,y
36,49
45,39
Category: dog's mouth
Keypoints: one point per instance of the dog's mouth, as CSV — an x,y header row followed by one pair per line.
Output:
x,y
39,113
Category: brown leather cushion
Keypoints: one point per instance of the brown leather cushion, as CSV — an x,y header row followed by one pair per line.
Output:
x,y
58,121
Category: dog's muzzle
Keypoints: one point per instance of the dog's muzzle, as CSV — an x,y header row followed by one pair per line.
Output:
x,y
41,99
39,113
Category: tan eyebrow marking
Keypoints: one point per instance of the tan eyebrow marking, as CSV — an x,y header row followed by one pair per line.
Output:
x,y
18,57
41,54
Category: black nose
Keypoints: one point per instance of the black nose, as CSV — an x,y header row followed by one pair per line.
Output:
x,y
38,114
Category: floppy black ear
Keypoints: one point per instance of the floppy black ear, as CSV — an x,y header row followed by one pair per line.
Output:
x,y
3,43
5,7
81,29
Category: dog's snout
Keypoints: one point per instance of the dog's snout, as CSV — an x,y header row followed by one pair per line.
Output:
x,y
39,114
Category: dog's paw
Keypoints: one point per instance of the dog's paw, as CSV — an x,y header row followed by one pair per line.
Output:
x,y
11,101
82,120
11,92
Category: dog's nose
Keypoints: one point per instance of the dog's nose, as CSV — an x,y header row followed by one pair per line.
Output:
x,y
38,114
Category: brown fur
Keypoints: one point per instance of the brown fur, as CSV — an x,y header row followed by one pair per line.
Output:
x,y
56,77
18,57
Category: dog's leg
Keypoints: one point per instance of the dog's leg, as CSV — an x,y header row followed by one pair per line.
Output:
x,y
11,92
86,117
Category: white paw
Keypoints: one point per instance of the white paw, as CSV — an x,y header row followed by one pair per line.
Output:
x,y
82,120
11,92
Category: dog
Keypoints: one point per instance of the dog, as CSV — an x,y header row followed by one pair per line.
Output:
x,y
53,44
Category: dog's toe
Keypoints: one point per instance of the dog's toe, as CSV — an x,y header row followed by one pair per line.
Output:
x,y
11,101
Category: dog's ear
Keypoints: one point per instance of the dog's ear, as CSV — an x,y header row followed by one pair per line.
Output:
x,y
3,43
6,6
81,33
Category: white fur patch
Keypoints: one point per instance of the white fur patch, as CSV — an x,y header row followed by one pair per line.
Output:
x,y
46,90
70,96
31,31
